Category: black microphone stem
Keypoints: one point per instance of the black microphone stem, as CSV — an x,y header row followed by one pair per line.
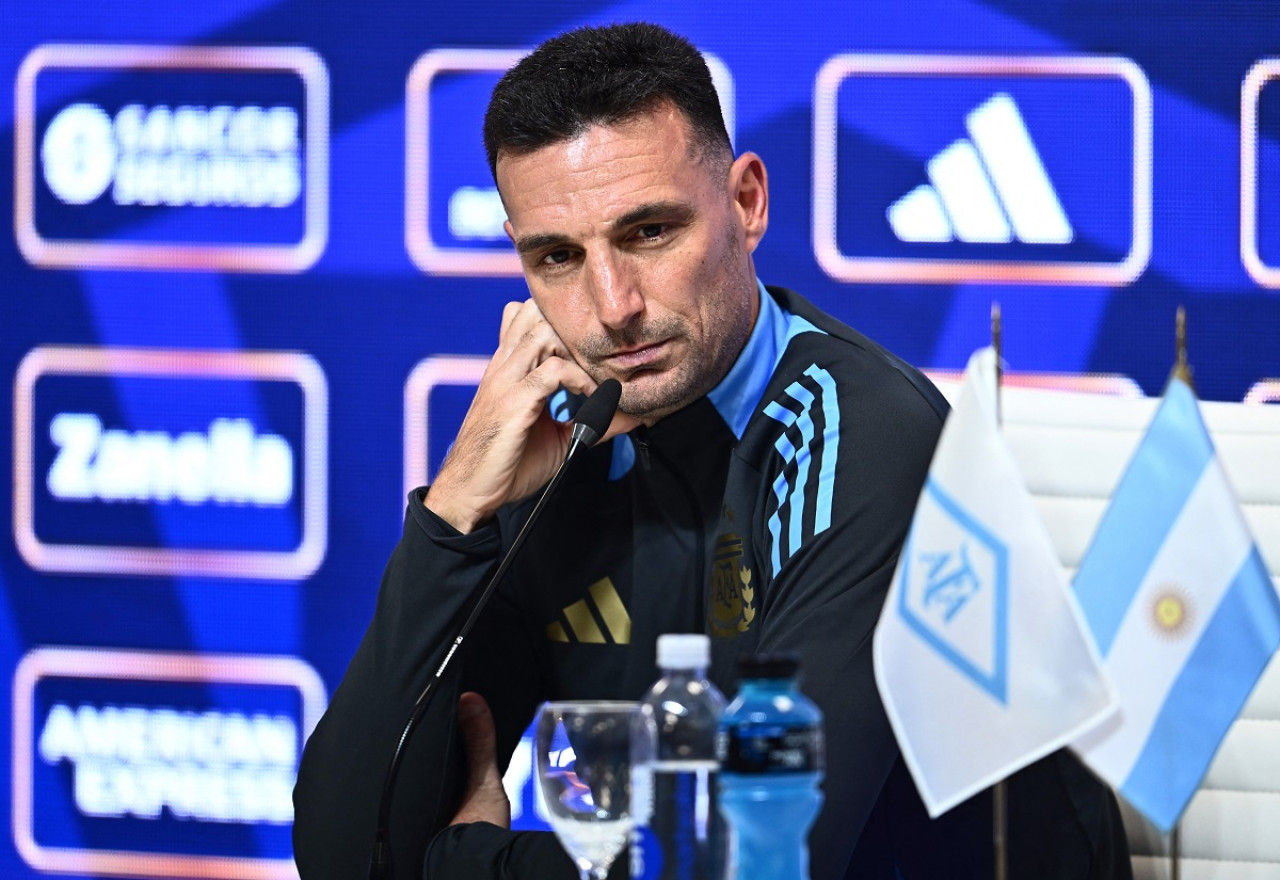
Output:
x,y
380,863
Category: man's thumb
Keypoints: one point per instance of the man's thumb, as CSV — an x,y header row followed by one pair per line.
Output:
x,y
478,733
485,799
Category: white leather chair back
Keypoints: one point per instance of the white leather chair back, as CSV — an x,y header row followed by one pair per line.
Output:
x,y
1072,449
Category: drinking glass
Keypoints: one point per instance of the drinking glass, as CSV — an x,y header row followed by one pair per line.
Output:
x,y
583,755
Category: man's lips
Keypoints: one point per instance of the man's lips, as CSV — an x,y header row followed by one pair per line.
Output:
x,y
638,357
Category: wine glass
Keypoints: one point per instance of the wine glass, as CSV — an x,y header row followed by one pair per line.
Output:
x,y
583,755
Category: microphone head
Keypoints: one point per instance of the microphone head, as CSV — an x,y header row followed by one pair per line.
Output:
x,y
596,412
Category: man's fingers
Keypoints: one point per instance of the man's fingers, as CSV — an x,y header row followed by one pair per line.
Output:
x,y
530,352
525,329
508,445
478,734
509,312
485,799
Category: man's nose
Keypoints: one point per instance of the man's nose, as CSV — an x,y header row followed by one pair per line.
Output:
x,y
614,290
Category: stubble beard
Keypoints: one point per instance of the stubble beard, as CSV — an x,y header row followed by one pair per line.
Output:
x,y
705,362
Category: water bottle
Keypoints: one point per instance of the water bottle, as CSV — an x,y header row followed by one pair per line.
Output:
x,y
770,749
679,832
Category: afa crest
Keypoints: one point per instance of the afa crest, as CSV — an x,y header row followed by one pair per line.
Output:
x,y
733,599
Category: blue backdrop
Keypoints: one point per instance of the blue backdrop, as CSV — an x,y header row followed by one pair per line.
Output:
x,y
253,270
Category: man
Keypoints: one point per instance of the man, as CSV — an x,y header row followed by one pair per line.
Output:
x,y
759,480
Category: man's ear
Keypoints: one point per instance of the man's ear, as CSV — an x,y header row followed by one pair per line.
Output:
x,y
749,188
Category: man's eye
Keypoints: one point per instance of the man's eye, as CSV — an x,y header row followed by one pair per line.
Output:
x,y
651,230
555,258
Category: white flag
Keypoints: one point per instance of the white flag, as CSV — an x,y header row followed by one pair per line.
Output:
x,y
981,655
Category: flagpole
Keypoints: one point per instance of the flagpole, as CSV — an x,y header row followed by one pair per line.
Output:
x,y
999,795
1181,370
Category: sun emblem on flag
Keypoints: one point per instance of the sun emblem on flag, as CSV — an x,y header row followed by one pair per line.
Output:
x,y
1171,611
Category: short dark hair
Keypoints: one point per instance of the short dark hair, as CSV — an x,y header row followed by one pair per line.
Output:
x,y
602,76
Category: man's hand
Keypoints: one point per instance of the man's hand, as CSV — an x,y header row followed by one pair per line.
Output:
x,y
485,799
508,444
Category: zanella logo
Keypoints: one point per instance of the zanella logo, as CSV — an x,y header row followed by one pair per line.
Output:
x,y
186,157
167,462
231,464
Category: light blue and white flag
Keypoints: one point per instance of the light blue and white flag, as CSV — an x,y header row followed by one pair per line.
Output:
x,y
981,654
1182,609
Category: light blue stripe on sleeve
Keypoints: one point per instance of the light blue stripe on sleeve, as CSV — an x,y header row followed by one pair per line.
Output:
x,y
1165,468
802,456
830,447
779,413
1207,696
794,494
788,452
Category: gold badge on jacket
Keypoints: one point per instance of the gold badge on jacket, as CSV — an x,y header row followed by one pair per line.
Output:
x,y
732,596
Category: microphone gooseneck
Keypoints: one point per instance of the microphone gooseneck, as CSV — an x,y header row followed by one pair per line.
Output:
x,y
589,425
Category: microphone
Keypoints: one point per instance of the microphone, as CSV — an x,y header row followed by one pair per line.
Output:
x,y
595,414
589,425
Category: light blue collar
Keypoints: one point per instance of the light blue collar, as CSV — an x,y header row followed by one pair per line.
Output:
x,y
738,393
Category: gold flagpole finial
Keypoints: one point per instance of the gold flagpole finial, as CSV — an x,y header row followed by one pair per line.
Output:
x,y
1181,366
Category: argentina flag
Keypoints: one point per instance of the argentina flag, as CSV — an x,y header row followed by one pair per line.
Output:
x,y
981,654
1182,609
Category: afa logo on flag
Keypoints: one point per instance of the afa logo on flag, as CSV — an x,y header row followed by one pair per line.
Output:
x,y
979,624
955,596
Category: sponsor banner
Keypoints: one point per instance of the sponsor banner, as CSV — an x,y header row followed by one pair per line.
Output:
x,y
1081,383
1260,174
1264,391
453,214
990,168
181,157
150,764
436,397
167,462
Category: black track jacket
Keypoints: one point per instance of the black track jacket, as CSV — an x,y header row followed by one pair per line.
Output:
x,y
768,514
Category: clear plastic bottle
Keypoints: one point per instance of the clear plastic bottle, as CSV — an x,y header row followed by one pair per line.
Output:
x,y
771,765
679,832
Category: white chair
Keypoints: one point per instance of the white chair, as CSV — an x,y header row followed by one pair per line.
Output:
x,y
1072,449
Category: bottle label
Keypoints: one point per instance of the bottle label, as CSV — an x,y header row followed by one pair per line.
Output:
x,y
682,837
770,748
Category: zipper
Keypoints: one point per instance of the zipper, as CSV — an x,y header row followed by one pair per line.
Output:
x,y
646,454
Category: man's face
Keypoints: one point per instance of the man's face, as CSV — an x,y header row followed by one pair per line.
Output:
x,y
638,254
